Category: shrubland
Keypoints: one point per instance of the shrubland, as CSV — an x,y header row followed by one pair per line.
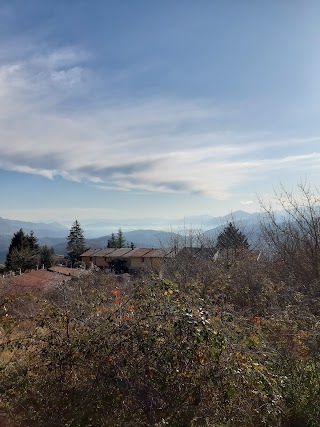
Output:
x,y
208,342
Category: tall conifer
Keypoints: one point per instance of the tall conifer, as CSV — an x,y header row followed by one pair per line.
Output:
x,y
76,242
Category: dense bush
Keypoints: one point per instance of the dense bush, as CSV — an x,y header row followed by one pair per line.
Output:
x,y
206,343
107,353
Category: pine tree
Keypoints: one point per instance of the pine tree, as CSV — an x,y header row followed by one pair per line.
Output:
x,y
76,242
33,241
22,252
46,256
117,241
112,242
121,241
232,238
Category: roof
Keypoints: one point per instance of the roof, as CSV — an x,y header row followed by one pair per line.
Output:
x,y
119,252
159,253
197,252
104,252
90,252
130,253
137,253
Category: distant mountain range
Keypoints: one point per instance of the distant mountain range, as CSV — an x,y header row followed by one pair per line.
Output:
x,y
53,229
205,222
54,234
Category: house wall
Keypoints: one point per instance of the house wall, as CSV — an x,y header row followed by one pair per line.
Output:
x,y
101,261
136,262
133,262
86,260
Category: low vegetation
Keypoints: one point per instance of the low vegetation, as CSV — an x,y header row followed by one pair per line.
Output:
x,y
228,342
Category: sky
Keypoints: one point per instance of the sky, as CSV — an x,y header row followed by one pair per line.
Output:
x,y
155,109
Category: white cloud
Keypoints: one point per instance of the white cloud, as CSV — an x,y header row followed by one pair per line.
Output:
x,y
69,77
247,202
65,57
165,145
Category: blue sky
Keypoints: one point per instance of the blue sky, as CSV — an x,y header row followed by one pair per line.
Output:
x,y
122,109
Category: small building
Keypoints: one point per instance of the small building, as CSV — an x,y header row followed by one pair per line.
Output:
x,y
60,259
156,257
134,259
87,256
103,257
118,253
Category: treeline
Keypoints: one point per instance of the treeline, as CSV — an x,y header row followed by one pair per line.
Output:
x,y
119,241
227,341
24,253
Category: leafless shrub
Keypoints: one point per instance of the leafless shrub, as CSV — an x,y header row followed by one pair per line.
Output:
x,y
293,237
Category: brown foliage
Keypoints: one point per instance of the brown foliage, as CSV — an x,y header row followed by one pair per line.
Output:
x,y
205,344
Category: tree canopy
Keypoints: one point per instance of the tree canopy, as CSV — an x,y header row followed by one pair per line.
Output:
x,y
46,256
76,242
119,241
22,252
232,238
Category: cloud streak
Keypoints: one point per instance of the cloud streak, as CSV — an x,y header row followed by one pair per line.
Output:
x,y
162,144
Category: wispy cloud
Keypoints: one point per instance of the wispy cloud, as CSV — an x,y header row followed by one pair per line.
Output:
x,y
69,77
163,144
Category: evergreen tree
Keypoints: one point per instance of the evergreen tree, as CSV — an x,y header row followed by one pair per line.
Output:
x,y
117,241
24,259
76,242
33,241
232,238
112,242
121,241
46,256
22,252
